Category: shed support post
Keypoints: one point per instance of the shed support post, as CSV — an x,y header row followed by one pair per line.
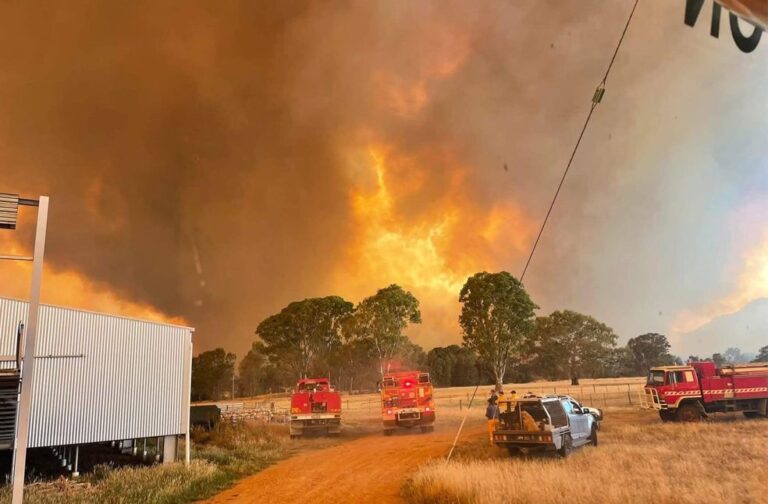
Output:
x,y
186,448
75,474
144,450
187,411
169,449
19,461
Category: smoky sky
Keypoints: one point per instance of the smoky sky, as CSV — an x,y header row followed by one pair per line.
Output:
x,y
197,153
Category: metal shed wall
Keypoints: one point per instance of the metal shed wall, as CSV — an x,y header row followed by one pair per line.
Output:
x,y
101,377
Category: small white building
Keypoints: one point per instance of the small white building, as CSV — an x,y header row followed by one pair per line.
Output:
x,y
97,378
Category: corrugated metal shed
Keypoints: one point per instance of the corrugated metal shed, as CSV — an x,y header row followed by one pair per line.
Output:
x,y
101,377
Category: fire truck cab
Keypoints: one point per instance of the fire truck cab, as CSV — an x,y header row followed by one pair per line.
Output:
x,y
691,392
315,407
406,401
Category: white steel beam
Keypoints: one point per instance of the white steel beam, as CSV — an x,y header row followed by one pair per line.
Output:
x,y
28,366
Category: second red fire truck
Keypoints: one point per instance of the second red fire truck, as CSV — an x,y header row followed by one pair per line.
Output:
x,y
406,401
689,393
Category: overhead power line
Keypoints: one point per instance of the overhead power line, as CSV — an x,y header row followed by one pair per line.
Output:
x,y
596,99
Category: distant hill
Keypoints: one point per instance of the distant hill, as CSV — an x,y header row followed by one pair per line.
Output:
x,y
746,329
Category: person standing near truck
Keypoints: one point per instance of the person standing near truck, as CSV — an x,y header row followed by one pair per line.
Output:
x,y
492,415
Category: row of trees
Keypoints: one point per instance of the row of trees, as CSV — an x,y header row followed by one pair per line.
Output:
x,y
735,356
501,328
503,340
328,336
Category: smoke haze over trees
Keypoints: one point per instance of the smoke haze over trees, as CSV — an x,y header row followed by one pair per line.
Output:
x,y
353,345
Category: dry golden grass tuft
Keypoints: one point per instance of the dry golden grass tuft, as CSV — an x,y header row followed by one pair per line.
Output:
x,y
639,459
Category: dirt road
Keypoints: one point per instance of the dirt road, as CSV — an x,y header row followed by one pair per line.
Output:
x,y
370,468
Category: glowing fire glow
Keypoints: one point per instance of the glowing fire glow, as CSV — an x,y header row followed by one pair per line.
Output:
x,y
427,240
752,284
71,289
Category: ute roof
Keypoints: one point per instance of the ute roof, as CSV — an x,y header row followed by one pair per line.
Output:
x,y
546,397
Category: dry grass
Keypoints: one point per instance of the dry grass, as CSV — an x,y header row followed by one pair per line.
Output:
x,y
160,484
219,458
638,460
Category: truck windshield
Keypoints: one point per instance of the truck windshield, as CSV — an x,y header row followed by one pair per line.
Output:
x,y
656,378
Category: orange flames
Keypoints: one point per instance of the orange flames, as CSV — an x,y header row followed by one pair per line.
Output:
x,y
752,284
70,289
421,229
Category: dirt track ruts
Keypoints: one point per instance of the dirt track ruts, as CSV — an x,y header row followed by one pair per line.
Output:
x,y
371,468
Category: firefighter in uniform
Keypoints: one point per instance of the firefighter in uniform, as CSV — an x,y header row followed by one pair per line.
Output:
x,y
512,398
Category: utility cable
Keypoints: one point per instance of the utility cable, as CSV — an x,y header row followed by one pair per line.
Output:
x,y
596,99
458,433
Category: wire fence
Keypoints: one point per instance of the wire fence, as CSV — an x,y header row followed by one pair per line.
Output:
x,y
599,394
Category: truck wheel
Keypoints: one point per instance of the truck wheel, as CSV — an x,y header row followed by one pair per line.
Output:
x,y
513,451
388,432
593,436
566,446
666,415
688,412
752,414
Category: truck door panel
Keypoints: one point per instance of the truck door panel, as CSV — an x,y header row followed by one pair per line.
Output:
x,y
579,422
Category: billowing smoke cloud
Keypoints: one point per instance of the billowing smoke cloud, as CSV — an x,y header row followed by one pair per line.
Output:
x,y
217,161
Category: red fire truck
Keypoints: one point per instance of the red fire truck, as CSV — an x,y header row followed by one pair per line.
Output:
x,y
315,407
688,393
406,401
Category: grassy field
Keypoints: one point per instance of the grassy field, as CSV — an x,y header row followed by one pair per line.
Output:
x,y
218,459
639,459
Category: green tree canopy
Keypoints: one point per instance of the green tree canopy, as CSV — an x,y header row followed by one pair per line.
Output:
x,y
252,370
496,317
212,373
379,322
440,362
619,362
649,350
355,365
762,355
452,366
571,344
304,331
